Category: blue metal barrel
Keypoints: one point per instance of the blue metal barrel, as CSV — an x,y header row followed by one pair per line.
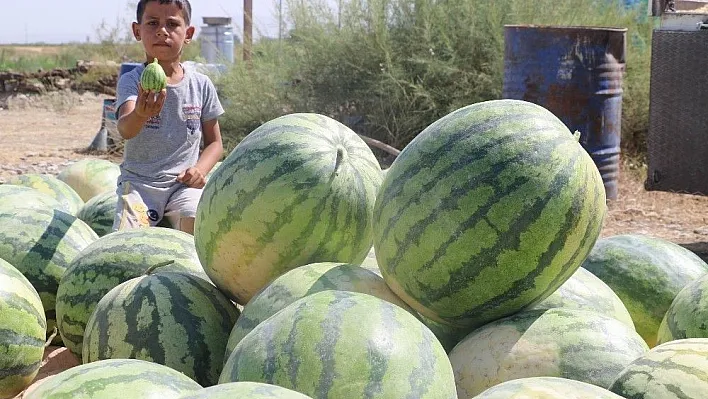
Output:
x,y
576,73
127,67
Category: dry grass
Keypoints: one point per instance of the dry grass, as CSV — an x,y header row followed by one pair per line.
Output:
x,y
33,50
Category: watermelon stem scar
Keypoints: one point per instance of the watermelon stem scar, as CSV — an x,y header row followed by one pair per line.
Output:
x,y
155,266
341,154
49,340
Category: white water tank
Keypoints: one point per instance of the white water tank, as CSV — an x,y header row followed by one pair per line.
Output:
x,y
216,38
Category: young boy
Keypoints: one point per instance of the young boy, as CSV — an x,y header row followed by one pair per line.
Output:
x,y
162,174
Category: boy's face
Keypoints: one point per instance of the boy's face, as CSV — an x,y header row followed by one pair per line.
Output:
x,y
163,31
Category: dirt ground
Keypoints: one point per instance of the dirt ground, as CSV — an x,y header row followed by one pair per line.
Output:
x,y
44,134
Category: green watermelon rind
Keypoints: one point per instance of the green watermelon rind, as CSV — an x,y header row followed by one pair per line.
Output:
x,y
646,273
124,378
99,212
303,281
675,369
110,261
23,327
389,353
49,184
299,189
687,316
171,318
41,243
568,343
493,187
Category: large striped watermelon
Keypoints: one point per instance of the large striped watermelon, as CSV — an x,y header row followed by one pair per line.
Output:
x,y
303,281
90,177
12,196
299,189
569,343
171,318
48,184
115,379
646,273
340,344
487,211
41,243
110,261
674,370
22,331
687,316
546,388
245,390
99,212
586,292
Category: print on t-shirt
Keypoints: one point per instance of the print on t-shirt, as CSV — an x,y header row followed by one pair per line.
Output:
x,y
153,122
192,117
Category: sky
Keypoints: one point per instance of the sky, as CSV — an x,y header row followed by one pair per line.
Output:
x,y
61,21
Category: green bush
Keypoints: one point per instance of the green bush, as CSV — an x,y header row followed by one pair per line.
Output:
x,y
391,67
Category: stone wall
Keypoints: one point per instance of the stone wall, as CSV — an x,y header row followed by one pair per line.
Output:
x,y
89,76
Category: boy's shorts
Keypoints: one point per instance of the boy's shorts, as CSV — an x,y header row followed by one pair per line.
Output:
x,y
143,205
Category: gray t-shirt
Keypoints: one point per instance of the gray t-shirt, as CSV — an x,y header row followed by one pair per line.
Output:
x,y
170,142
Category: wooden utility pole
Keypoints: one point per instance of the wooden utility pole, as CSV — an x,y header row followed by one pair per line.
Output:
x,y
280,20
247,29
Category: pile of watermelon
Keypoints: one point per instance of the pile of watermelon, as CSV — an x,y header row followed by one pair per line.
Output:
x,y
471,268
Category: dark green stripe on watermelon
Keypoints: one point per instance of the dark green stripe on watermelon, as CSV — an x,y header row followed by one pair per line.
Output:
x,y
41,243
487,211
170,318
124,378
673,370
647,273
22,331
110,261
338,344
248,199
298,190
99,212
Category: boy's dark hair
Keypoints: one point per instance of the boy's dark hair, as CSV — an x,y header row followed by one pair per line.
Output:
x,y
182,4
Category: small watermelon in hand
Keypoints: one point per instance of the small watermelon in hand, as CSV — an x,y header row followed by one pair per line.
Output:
x,y
153,77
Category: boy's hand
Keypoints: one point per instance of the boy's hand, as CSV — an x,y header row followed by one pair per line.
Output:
x,y
148,104
192,177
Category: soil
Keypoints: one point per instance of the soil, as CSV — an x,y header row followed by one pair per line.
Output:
x,y
56,359
43,134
